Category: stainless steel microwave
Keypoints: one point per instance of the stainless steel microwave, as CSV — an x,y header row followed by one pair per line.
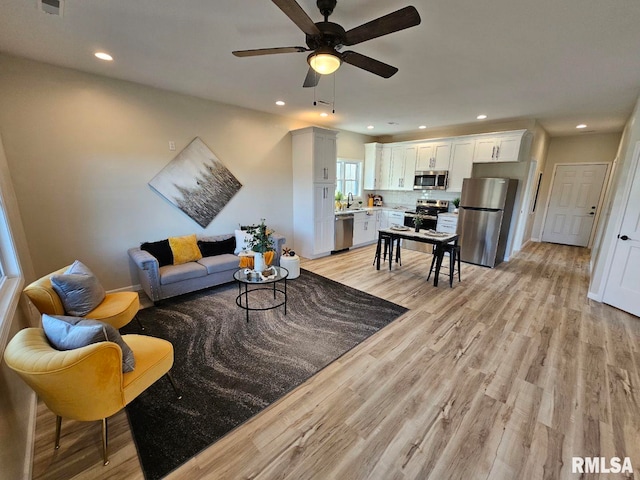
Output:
x,y
431,180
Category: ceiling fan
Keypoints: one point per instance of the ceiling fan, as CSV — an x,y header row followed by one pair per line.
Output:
x,y
325,39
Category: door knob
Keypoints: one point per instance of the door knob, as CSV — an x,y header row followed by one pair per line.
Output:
x,y
623,237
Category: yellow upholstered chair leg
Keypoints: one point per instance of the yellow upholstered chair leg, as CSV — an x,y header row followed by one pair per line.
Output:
x,y
105,454
173,384
58,428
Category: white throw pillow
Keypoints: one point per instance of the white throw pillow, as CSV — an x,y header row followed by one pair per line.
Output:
x,y
243,240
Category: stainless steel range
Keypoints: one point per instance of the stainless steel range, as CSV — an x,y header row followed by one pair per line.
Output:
x,y
429,210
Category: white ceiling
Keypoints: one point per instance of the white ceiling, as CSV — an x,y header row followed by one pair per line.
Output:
x,y
562,62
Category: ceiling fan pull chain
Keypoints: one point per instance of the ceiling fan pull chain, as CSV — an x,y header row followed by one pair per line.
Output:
x,y
333,104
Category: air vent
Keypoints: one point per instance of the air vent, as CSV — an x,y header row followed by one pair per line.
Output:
x,y
52,7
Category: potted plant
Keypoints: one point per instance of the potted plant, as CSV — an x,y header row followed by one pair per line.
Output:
x,y
339,198
456,203
260,243
417,221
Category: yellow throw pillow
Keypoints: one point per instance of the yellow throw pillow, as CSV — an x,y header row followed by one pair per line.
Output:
x,y
185,249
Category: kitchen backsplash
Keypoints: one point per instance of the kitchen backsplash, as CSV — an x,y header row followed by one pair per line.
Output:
x,y
409,199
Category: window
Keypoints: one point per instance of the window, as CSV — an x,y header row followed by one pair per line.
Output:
x,y
349,177
11,280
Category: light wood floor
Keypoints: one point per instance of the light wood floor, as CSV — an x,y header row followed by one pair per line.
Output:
x,y
508,375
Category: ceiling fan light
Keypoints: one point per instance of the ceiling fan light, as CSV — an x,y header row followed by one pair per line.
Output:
x,y
324,63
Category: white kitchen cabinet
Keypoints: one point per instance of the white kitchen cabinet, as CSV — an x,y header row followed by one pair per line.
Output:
x,y
403,167
382,219
364,228
498,147
323,217
324,157
385,168
447,222
410,157
396,218
396,176
434,156
372,165
461,162
314,165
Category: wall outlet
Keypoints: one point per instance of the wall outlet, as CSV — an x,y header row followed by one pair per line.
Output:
x,y
172,145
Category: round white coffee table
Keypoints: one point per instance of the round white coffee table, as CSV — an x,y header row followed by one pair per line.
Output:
x,y
292,264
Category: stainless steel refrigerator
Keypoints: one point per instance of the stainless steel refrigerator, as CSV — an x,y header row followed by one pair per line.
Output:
x,y
484,217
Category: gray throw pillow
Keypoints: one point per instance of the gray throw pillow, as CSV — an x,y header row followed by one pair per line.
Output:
x,y
78,289
68,333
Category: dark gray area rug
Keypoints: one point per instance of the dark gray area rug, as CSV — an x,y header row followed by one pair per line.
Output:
x,y
229,370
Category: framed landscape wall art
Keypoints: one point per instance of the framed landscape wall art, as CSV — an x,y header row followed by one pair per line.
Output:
x,y
197,183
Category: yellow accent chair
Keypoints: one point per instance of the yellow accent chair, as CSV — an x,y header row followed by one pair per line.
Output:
x,y
87,383
117,309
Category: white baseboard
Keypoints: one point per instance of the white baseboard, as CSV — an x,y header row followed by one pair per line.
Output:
x,y
537,240
130,288
594,296
27,472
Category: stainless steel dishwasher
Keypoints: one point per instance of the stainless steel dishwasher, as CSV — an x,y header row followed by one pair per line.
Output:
x,y
343,232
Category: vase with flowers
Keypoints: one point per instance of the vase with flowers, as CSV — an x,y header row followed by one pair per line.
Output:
x,y
260,243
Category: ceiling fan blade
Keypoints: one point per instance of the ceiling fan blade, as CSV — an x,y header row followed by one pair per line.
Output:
x,y
369,64
268,51
312,78
399,20
298,16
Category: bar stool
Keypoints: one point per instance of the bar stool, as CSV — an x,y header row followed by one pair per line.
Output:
x,y
454,258
386,238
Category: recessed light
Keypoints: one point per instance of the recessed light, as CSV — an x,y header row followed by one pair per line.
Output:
x,y
582,125
481,117
422,127
370,127
324,114
104,56
280,103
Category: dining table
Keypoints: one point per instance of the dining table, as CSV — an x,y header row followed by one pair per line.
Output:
x,y
438,239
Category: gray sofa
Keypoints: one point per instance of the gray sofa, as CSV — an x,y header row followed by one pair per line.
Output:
x,y
171,280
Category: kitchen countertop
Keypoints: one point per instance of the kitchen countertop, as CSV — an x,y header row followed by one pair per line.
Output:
x,y
396,208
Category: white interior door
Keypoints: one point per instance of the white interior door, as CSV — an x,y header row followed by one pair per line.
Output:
x,y
573,202
623,285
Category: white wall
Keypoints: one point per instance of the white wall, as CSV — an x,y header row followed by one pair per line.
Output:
x,y
81,149
585,148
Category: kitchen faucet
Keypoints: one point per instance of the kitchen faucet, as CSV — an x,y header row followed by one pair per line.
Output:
x,y
349,199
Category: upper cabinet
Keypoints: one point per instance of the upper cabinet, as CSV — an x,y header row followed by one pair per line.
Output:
x,y
461,162
389,166
372,164
392,166
501,147
324,156
434,155
385,168
403,167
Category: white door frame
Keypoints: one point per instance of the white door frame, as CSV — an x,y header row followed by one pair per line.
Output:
x,y
605,186
523,215
615,230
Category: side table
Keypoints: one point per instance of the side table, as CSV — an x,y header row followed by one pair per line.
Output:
x,y
292,264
